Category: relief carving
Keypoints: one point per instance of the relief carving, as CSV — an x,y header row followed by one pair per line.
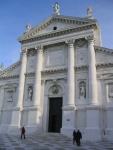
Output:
x,y
55,89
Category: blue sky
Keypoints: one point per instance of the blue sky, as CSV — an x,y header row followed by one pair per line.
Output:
x,y
15,14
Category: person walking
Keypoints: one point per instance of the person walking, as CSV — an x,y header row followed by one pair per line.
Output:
x,y
22,132
74,136
78,137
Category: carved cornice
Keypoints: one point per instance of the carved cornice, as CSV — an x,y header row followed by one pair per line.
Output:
x,y
58,33
97,48
10,68
29,74
104,64
54,71
81,67
9,77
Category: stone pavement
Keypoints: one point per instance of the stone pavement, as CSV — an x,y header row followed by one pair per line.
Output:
x,y
48,141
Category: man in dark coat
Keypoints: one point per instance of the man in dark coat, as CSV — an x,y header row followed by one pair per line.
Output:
x,y
22,132
74,136
78,137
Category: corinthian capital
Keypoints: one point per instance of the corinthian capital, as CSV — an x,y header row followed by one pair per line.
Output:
x,y
23,51
90,38
70,41
39,48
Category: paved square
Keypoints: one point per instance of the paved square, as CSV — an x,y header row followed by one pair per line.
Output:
x,y
48,141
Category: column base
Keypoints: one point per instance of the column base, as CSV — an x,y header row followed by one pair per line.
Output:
x,y
67,132
3,128
108,136
13,129
31,129
92,134
9,129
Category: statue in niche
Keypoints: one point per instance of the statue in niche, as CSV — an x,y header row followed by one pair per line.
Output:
x,y
10,96
110,95
30,93
56,8
82,88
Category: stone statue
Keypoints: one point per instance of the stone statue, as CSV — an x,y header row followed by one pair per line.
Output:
x,y
10,97
30,93
1,67
89,11
110,93
82,90
56,8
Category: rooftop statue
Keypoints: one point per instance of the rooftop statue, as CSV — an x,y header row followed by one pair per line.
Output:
x,y
1,67
89,11
56,8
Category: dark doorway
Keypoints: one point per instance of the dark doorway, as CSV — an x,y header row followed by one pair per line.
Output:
x,y
55,114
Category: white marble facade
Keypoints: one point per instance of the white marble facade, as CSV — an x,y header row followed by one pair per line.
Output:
x,y
60,58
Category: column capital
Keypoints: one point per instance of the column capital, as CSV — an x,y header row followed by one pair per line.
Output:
x,y
90,38
39,48
70,42
43,82
24,51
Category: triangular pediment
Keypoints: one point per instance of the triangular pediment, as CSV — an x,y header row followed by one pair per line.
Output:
x,y
56,23
12,70
103,55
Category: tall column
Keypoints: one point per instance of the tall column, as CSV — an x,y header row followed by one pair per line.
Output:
x,y
92,131
37,84
22,78
16,112
71,81
92,71
1,102
68,124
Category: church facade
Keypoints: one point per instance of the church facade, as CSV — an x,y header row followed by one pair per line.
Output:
x,y
62,81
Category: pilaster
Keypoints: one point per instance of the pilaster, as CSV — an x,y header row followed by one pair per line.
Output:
x,y
68,124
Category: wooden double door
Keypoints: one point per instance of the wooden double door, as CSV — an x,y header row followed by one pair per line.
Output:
x,y
55,114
